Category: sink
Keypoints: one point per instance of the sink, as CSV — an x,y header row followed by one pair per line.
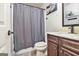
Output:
x,y
66,33
62,32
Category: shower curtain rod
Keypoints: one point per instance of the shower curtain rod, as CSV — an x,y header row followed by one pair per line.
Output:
x,y
31,6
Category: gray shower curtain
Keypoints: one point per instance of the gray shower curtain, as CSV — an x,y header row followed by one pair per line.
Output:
x,y
28,26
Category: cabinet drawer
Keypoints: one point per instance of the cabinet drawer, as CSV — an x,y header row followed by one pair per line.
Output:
x,y
53,39
70,44
66,52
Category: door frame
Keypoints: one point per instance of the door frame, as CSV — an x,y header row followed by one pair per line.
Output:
x,y
11,46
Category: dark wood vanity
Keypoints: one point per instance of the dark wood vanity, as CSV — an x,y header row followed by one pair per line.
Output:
x,y
60,46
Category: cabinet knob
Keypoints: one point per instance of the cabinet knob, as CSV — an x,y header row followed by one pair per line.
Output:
x,y
60,51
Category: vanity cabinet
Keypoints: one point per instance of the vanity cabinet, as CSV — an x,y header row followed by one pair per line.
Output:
x,y
60,46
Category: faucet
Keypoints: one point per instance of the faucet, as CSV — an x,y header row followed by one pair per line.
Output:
x,y
71,29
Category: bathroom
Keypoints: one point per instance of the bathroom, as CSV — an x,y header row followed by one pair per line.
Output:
x,y
13,23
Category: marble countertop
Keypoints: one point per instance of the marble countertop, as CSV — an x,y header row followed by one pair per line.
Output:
x,y
65,35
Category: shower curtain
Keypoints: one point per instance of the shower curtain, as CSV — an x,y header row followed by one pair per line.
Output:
x,y
28,26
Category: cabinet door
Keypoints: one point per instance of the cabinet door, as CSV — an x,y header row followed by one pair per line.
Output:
x,y
52,49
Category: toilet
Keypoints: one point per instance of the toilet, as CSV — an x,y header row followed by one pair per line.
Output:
x,y
41,48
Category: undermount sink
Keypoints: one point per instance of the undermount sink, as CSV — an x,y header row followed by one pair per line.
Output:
x,y
66,33
62,32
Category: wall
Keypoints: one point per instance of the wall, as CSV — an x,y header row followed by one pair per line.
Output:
x,y
4,39
54,21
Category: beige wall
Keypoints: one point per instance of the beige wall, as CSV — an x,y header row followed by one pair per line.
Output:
x,y
54,22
